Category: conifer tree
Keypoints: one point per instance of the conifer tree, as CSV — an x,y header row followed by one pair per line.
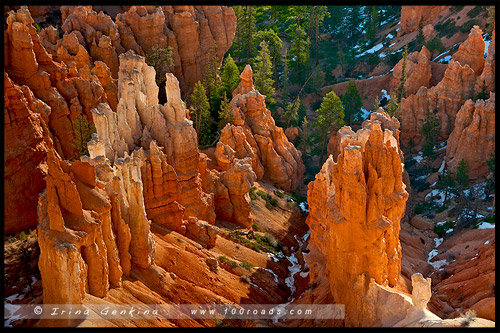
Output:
x,y
249,29
230,76
200,113
445,182
225,116
352,102
330,118
238,41
304,136
401,91
299,50
263,73
83,130
212,81
274,44
291,112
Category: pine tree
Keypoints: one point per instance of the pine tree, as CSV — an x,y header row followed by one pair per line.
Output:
x,y
299,14
239,33
212,81
263,73
299,50
352,102
430,133
393,108
200,113
401,91
230,76
225,115
275,45
249,29
319,13
376,104
371,31
445,182
462,175
330,117
420,37
291,112
83,130
304,136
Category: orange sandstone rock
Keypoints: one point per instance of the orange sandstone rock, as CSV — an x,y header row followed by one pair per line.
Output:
x,y
411,16
473,138
471,52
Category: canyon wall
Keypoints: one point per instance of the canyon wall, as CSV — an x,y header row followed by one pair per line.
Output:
x,y
411,16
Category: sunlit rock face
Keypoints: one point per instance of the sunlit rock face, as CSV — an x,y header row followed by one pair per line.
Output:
x,y
355,206
254,134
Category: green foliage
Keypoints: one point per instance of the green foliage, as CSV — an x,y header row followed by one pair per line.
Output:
x,y
475,11
246,265
483,94
230,76
371,32
252,194
401,91
490,179
23,236
331,113
268,243
352,102
273,41
430,132
298,54
447,183
441,229
425,206
83,130
447,28
303,144
435,44
212,82
462,174
263,73
490,22
393,108
291,112
255,227
228,261
467,26
225,116
157,58
37,27
200,114
279,194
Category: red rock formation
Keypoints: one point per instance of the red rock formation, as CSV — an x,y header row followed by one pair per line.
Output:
x,y
140,121
26,142
280,160
191,31
292,133
68,91
356,225
411,16
473,138
460,82
418,72
471,52
487,77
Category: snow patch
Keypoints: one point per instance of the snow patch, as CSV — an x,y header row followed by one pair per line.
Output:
x,y
485,225
441,168
438,241
304,207
445,60
372,50
487,242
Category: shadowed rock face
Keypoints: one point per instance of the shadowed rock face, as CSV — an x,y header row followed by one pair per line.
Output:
x,y
191,31
254,134
464,77
473,138
355,206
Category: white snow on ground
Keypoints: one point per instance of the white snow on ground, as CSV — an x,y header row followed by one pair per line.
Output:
x,y
419,157
445,60
270,271
372,50
390,36
364,113
485,225
10,308
440,196
303,207
441,168
391,45
440,263
432,254
438,241
486,44
487,242
449,231
304,274
272,256
385,94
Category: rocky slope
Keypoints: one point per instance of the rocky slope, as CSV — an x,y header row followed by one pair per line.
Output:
x,y
413,16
